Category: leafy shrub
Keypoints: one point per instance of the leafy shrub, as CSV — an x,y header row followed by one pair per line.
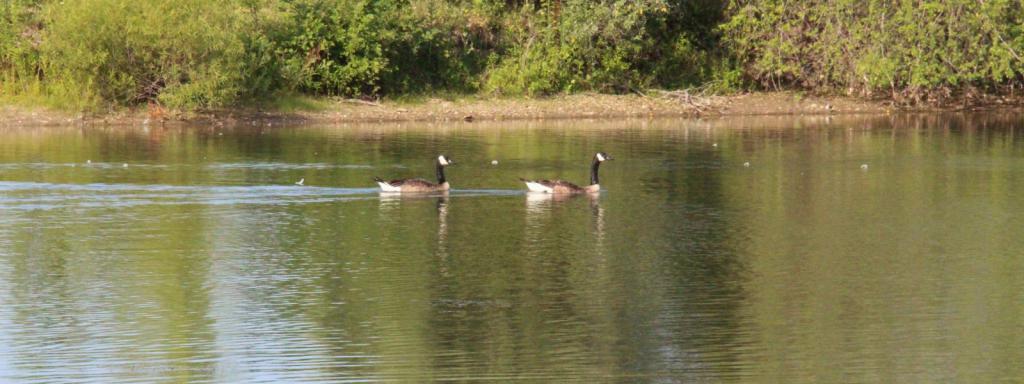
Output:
x,y
360,47
574,45
607,46
438,45
199,54
20,36
185,53
909,49
334,46
88,54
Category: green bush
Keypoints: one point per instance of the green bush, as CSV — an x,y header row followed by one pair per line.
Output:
x,y
91,54
360,47
438,45
184,53
20,36
903,49
199,54
333,46
606,46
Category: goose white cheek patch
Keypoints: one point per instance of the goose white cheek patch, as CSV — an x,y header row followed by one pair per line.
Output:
x,y
600,157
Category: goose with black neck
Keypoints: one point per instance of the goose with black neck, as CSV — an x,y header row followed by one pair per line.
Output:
x,y
564,187
419,185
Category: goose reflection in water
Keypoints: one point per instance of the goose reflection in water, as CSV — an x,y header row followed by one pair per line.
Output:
x,y
391,201
541,208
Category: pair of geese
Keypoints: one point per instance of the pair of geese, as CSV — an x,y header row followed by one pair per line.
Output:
x,y
543,186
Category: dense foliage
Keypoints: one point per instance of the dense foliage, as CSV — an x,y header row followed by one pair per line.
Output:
x,y
198,54
906,49
20,36
608,46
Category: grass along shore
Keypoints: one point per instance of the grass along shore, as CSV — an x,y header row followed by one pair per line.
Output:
x,y
305,110
650,104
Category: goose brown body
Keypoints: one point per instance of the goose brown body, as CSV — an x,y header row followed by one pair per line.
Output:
x,y
418,185
559,187
415,185
565,187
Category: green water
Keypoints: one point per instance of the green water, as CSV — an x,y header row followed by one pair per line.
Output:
x,y
201,261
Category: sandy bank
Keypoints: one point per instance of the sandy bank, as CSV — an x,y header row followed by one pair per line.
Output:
x,y
655,104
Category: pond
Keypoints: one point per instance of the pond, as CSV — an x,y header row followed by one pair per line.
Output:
x,y
758,249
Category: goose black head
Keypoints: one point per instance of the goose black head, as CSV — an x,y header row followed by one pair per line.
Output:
x,y
445,160
601,157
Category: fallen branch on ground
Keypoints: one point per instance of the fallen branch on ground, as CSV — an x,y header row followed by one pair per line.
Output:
x,y
698,100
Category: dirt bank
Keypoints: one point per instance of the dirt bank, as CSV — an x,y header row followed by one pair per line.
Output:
x,y
653,104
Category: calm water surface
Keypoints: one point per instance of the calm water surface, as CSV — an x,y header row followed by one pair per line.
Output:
x,y
201,261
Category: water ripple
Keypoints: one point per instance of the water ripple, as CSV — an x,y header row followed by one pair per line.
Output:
x,y
44,196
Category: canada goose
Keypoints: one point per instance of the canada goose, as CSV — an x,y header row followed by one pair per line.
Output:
x,y
562,186
418,185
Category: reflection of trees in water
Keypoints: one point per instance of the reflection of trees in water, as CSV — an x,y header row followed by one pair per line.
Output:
x,y
877,268
565,298
502,306
131,297
649,278
373,304
357,272
690,271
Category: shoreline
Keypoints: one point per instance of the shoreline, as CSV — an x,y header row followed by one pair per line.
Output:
x,y
579,106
